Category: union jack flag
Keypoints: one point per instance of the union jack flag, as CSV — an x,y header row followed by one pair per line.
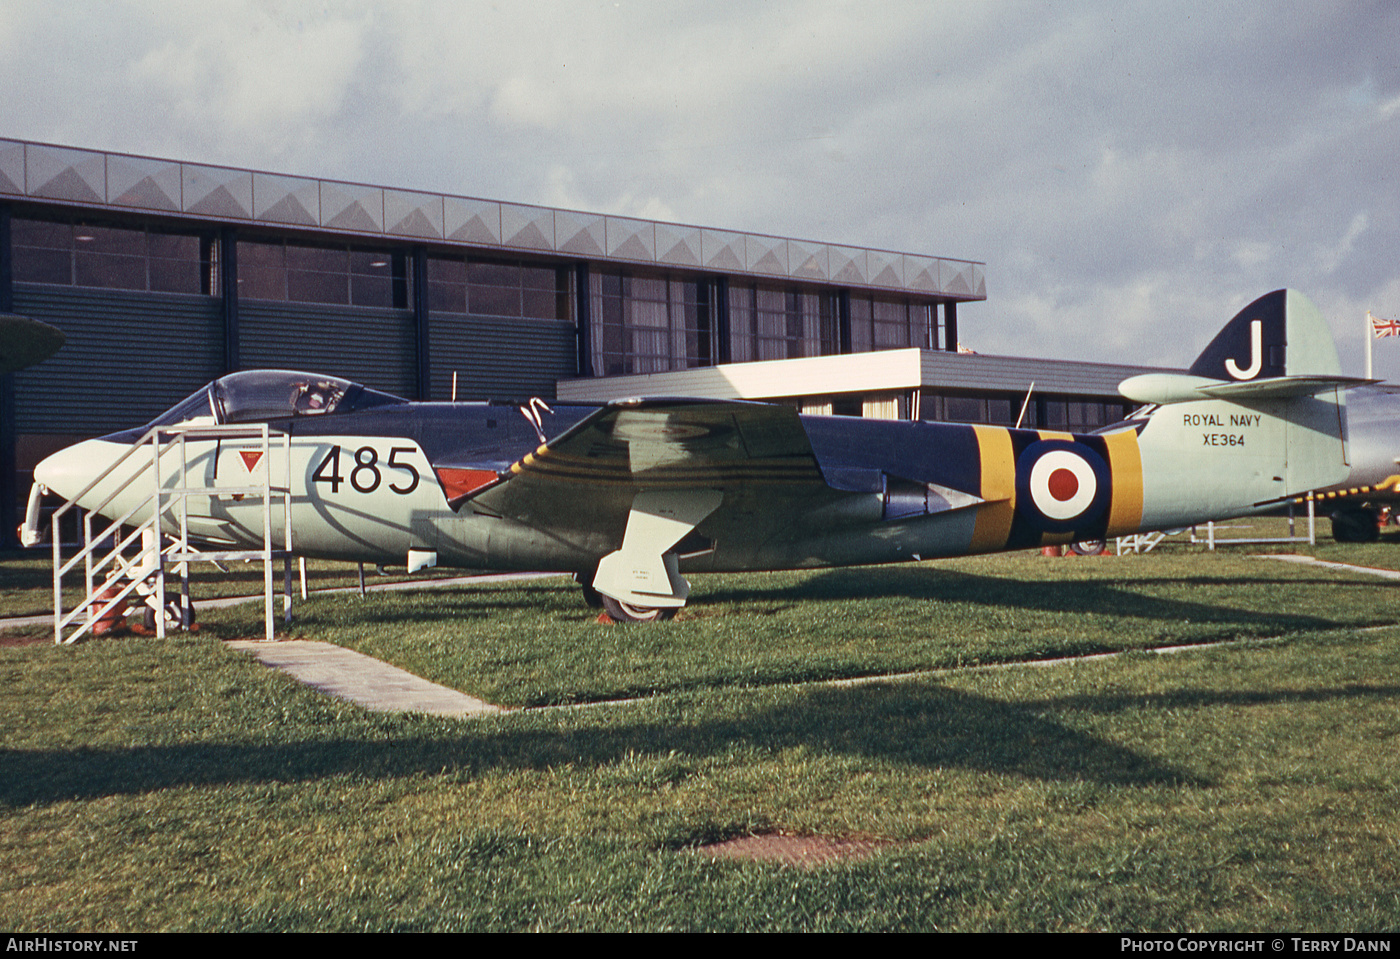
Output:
x,y
1380,327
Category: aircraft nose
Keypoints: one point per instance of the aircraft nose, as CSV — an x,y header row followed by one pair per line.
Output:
x,y
68,471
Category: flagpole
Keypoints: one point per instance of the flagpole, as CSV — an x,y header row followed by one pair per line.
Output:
x,y
1369,336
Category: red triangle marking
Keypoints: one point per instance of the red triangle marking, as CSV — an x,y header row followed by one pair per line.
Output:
x,y
457,483
251,458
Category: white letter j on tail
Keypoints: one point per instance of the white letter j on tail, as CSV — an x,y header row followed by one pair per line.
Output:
x,y
1256,354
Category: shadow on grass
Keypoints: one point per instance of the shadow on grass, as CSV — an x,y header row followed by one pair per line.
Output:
x,y
1117,598
423,605
1194,698
1099,597
923,726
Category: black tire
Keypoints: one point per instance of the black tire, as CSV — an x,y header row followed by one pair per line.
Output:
x,y
1089,547
1355,525
621,612
591,597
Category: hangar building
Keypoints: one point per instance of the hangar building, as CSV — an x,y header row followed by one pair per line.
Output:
x,y
166,274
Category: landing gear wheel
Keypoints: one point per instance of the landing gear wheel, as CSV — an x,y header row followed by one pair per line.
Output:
x,y
591,597
627,613
1355,525
1088,547
172,617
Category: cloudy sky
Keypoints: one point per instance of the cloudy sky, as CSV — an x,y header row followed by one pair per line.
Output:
x,y
1131,173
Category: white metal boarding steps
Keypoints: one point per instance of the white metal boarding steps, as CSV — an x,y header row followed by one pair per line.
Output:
x,y
162,539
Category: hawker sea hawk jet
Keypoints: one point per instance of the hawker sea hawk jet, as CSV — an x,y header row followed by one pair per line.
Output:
x,y
632,495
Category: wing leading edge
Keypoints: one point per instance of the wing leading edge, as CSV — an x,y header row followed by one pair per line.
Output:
x,y
602,462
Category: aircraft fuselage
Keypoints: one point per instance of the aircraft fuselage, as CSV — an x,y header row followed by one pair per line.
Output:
x,y
630,494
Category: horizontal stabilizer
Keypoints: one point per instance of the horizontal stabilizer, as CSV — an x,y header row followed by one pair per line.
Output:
x,y
1282,387
24,342
1164,388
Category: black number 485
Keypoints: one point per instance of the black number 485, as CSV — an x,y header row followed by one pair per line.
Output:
x,y
365,475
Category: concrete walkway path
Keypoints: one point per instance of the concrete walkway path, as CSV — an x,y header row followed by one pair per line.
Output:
x,y
1310,561
344,673
360,679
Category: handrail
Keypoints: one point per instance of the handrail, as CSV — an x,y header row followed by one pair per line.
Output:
x,y
150,561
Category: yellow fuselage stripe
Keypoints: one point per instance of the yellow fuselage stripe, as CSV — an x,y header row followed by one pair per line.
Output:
x,y
993,525
1125,463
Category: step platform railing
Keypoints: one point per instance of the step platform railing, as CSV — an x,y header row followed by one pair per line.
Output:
x,y
129,554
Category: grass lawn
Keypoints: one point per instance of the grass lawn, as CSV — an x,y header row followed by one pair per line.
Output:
x,y
179,785
26,582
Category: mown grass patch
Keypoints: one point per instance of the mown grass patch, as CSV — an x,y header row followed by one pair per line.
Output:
x,y
179,785
26,580
535,643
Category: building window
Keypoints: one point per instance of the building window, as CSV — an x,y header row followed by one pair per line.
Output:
x,y
111,257
498,288
965,409
891,323
1091,415
1054,413
996,410
779,323
1001,411
339,275
650,324
1072,414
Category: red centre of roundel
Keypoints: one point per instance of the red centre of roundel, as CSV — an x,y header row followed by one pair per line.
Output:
x,y
1063,484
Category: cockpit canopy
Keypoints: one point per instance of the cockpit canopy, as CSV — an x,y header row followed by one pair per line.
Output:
x,y
256,396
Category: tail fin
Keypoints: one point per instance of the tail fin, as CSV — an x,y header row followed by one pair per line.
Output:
x,y
1278,346
1259,418
1280,334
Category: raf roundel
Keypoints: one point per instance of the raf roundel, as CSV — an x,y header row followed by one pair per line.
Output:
x,y
1062,486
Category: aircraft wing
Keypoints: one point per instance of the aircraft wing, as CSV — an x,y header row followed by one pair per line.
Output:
x,y
643,484
634,482
601,463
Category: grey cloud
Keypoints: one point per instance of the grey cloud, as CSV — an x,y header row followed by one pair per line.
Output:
x,y
1131,173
